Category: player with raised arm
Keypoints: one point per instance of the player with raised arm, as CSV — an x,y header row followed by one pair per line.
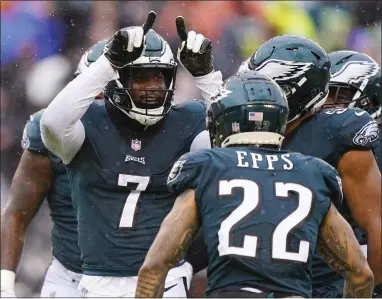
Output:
x,y
344,138
42,175
263,210
119,152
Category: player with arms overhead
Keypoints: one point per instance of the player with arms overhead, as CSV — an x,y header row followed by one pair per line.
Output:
x,y
263,210
120,152
344,138
40,175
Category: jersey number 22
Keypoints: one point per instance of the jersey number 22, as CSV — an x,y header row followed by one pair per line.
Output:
x,y
250,203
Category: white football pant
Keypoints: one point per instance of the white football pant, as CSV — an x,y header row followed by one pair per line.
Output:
x,y
177,284
60,282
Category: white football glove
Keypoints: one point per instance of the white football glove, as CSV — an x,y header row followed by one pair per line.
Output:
x,y
128,43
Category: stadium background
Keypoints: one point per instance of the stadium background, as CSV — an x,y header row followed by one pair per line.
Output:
x,y
42,41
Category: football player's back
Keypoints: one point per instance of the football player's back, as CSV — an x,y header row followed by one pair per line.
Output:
x,y
261,211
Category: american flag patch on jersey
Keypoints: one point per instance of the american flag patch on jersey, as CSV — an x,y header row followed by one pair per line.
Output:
x,y
255,116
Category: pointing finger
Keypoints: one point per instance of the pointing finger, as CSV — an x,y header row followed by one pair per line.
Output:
x,y
181,28
149,22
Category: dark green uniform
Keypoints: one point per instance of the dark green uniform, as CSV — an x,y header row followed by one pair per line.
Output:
x,y
328,135
261,211
118,184
64,232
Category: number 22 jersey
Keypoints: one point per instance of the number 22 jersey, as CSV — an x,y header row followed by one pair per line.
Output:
x,y
261,211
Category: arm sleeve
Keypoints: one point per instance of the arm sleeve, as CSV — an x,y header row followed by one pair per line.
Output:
x,y
61,129
209,84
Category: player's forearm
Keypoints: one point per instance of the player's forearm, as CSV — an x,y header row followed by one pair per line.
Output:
x,y
61,129
12,240
359,286
30,185
374,250
151,281
209,84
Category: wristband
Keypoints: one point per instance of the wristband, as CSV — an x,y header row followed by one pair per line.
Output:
x,y
7,280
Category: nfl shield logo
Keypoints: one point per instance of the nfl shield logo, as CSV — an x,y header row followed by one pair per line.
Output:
x,y
235,127
135,145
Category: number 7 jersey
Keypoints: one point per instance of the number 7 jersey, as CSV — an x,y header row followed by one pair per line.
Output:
x,y
261,211
118,184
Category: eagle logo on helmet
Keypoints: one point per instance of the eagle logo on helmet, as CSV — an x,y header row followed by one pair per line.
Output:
x,y
244,66
280,70
221,94
368,133
355,72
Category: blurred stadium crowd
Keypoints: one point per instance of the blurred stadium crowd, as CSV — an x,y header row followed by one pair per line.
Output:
x,y
42,41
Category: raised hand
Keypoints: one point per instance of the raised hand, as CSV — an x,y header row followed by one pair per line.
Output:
x,y
128,43
195,51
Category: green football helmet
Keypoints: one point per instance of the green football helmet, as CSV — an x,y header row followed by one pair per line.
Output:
x,y
90,56
355,82
249,109
300,66
157,57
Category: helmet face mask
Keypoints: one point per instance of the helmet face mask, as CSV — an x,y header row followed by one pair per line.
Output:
x,y
346,95
145,89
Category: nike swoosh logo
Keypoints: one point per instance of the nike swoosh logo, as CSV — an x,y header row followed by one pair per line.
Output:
x,y
359,113
169,288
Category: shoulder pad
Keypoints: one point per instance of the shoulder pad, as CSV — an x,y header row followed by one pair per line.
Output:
x,y
31,139
191,106
355,128
359,130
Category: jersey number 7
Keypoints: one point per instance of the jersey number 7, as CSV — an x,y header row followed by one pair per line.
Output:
x,y
128,212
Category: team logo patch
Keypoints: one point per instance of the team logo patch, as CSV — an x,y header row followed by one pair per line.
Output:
x,y
129,158
355,72
136,145
175,171
368,133
280,70
235,127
